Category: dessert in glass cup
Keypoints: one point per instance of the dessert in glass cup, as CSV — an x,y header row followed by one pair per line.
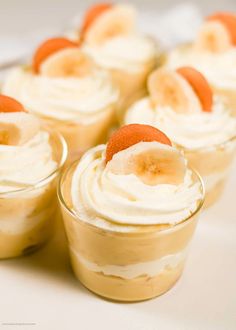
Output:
x,y
182,104
213,52
31,158
109,34
67,90
130,209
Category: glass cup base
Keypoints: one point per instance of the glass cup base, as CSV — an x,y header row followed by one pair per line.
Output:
x,y
125,290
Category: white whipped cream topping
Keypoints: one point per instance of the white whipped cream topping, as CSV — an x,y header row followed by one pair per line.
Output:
x,y
27,163
74,99
131,53
149,268
219,68
101,197
192,130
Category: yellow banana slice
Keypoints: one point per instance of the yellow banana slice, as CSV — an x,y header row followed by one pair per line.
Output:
x,y
69,62
153,162
119,20
168,88
16,128
214,37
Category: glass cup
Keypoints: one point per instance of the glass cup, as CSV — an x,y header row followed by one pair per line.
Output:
x,y
27,213
125,263
81,137
213,164
132,84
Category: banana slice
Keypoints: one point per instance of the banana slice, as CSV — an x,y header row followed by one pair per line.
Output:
x,y
153,162
213,37
16,128
146,152
116,21
69,62
169,88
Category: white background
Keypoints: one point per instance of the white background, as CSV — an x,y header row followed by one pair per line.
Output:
x,y
18,16
41,288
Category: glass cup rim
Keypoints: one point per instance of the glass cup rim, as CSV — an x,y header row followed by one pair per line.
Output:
x,y
205,148
74,120
75,215
40,183
198,149
114,88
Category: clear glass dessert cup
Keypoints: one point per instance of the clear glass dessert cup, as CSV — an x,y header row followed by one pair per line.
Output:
x,y
132,84
27,214
80,136
132,265
214,165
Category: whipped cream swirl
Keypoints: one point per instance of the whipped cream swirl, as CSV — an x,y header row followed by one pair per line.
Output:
x,y
219,68
27,163
122,201
72,99
189,130
131,53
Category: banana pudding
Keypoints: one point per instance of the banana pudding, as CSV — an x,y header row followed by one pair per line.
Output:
x,y
110,36
181,103
213,52
67,90
130,209
31,158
